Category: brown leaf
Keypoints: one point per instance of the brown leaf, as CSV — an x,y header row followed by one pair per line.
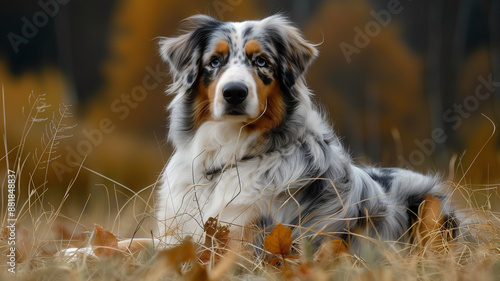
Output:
x,y
216,238
177,256
174,257
216,234
104,242
330,250
279,241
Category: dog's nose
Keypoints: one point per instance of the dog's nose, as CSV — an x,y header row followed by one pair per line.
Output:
x,y
235,93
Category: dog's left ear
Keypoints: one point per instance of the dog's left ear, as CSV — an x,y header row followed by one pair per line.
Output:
x,y
295,52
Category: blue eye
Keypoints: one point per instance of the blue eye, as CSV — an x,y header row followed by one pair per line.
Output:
x,y
261,62
215,63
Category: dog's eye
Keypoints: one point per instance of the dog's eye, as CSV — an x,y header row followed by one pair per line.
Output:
x,y
215,62
261,62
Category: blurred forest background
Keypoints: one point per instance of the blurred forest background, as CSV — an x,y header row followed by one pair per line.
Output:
x,y
407,83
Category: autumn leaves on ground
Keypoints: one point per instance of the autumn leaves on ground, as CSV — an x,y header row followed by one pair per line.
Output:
x,y
102,257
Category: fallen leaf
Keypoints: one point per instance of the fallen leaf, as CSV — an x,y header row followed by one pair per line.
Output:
x,y
104,242
279,241
216,234
216,238
177,256
330,250
174,257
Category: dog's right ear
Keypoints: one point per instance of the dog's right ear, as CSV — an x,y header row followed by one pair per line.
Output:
x,y
183,53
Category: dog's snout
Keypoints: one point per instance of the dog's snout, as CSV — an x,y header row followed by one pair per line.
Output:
x,y
235,93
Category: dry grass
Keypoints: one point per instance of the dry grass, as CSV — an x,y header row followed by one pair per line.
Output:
x,y
43,230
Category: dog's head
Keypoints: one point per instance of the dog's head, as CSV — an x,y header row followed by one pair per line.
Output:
x,y
237,71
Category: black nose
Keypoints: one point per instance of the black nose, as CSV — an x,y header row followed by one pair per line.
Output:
x,y
235,93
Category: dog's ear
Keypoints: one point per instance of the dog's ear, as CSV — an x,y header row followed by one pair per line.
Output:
x,y
183,53
296,54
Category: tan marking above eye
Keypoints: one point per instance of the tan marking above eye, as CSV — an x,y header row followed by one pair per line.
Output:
x,y
222,47
252,47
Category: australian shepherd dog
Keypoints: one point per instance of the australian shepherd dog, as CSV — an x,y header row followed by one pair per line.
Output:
x,y
253,149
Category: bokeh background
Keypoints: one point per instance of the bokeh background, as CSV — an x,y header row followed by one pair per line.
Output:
x,y
407,83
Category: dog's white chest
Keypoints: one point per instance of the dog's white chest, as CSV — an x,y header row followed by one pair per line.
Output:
x,y
201,182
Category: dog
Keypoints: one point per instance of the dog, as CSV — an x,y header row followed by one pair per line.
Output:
x,y
253,149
